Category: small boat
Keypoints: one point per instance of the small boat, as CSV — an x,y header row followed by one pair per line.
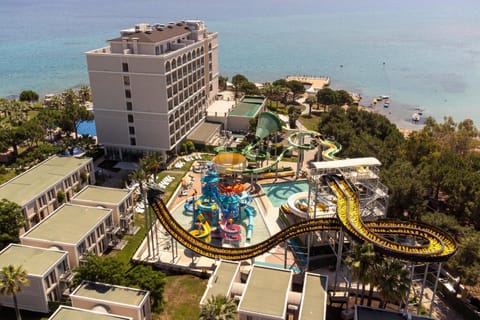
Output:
x,y
416,117
386,104
385,97
419,111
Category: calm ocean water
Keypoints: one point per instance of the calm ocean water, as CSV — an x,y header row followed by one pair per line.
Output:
x,y
421,53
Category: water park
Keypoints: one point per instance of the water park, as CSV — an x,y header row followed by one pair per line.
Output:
x,y
252,204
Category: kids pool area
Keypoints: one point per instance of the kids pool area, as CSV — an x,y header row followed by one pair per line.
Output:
x,y
278,193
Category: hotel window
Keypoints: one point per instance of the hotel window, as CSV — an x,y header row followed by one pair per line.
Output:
x,y
131,130
129,106
128,93
130,118
125,67
126,80
133,142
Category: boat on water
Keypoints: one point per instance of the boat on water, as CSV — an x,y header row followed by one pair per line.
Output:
x,y
386,103
416,117
419,111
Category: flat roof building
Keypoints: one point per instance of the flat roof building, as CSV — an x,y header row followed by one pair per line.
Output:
x,y
268,293
124,301
151,85
48,272
71,313
120,201
36,189
79,230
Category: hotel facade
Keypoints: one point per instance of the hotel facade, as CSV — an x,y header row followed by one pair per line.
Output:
x,y
151,86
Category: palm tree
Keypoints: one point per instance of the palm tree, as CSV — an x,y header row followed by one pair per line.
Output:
x,y
361,262
152,164
84,94
311,100
393,281
12,278
219,308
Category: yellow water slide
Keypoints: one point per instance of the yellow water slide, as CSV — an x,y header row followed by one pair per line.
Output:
x,y
440,245
204,232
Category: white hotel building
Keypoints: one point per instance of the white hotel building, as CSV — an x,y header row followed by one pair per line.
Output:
x,y
151,86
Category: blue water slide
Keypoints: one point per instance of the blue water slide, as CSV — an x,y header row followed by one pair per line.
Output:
x,y
250,214
188,206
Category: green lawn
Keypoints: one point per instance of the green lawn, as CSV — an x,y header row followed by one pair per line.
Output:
x,y
311,123
181,297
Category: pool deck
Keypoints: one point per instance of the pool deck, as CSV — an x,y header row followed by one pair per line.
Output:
x,y
162,255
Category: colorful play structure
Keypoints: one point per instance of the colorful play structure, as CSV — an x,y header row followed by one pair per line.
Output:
x,y
343,195
220,206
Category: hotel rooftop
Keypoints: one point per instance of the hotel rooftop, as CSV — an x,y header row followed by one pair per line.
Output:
x,y
68,224
70,313
266,292
33,182
109,293
36,261
102,194
223,279
314,297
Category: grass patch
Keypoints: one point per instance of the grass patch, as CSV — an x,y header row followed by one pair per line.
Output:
x,y
181,297
7,176
311,123
126,254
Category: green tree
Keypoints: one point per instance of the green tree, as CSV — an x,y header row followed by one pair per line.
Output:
x,y
237,81
12,137
11,221
327,97
361,260
61,197
101,269
293,115
311,100
296,87
343,97
84,94
146,278
219,308
12,279
393,281
249,88
72,115
29,96
222,83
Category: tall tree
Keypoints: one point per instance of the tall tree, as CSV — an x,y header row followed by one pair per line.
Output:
x,y
237,81
311,100
361,260
72,115
101,269
222,83
393,281
11,221
343,97
28,95
12,279
147,278
219,308
84,94
296,87
327,97
293,115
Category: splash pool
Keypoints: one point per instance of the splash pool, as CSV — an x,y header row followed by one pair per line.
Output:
x,y
278,193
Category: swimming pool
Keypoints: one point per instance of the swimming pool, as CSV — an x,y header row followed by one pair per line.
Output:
x,y
87,127
278,193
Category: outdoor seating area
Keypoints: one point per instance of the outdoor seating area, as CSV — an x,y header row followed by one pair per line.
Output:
x,y
166,182
192,157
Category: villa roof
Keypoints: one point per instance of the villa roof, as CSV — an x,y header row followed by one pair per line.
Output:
x,y
71,313
110,293
222,279
314,300
102,194
36,261
157,35
25,187
266,292
346,163
68,224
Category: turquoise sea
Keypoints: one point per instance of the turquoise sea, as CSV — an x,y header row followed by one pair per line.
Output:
x,y
422,53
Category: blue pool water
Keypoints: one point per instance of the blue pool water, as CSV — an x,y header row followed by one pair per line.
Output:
x,y
87,127
278,193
